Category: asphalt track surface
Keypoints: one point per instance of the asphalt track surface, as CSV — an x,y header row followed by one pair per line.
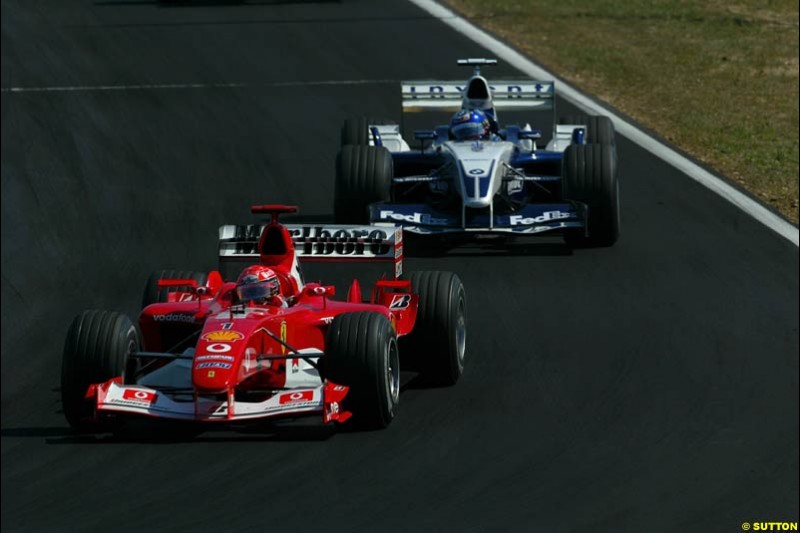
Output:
x,y
648,387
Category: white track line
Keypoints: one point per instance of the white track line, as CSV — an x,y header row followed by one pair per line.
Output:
x,y
94,88
172,86
660,150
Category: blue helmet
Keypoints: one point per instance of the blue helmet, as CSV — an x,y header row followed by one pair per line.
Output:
x,y
469,124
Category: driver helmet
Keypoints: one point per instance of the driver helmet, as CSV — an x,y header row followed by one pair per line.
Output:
x,y
257,284
470,124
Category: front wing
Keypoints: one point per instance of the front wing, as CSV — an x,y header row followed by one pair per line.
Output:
x,y
114,397
529,220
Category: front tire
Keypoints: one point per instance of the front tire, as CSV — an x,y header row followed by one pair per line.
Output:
x,y
355,130
599,128
363,176
589,175
361,352
438,340
97,349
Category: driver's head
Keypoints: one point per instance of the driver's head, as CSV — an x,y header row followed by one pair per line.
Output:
x,y
257,284
469,124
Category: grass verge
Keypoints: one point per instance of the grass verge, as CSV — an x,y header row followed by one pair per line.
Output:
x,y
717,79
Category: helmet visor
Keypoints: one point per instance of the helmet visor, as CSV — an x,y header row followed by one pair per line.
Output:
x,y
257,291
468,130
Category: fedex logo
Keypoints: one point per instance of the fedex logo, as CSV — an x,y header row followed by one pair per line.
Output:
x,y
547,216
417,218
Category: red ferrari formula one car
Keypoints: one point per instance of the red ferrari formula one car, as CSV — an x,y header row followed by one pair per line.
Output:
x,y
267,345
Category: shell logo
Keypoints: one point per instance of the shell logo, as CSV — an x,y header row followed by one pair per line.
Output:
x,y
225,336
284,330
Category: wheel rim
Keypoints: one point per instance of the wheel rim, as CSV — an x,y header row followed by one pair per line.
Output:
x,y
461,330
393,371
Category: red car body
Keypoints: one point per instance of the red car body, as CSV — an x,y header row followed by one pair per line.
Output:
x,y
205,358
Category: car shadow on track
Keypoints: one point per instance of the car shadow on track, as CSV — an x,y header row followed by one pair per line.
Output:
x,y
171,432
36,432
432,247
254,433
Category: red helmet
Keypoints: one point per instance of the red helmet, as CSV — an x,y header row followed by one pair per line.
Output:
x,y
257,283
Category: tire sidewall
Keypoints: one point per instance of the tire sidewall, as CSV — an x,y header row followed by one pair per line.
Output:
x,y
388,399
457,327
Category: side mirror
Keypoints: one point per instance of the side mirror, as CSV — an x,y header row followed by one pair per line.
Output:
x,y
424,135
164,283
320,290
530,134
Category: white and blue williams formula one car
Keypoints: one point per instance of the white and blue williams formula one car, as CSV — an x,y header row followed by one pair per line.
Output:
x,y
493,179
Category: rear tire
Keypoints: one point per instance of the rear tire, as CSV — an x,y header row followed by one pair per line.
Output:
x,y
599,128
363,176
97,348
152,294
354,130
589,175
438,340
361,352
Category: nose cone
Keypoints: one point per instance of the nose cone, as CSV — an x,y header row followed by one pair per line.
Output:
x,y
215,360
479,203
479,164
476,179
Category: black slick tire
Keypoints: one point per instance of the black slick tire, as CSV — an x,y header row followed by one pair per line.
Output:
x,y
354,130
96,349
361,352
599,128
438,340
363,176
589,176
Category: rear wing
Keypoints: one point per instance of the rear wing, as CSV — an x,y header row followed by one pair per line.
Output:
x,y
430,95
314,242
